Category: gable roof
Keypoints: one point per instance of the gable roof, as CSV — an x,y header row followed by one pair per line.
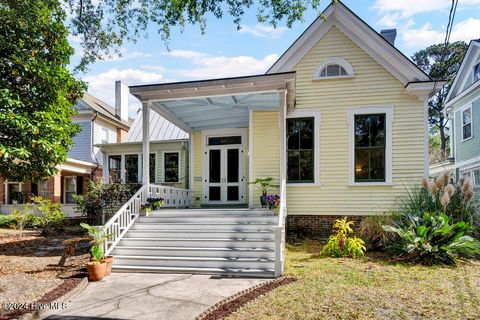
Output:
x,y
471,56
160,129
89,102
340,16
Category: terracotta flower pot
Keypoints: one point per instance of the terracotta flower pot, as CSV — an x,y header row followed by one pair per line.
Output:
x,y
109,261
96,271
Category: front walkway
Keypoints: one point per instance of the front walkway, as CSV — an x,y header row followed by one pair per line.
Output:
x,y
151,296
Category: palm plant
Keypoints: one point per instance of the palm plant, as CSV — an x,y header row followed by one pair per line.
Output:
x,y
98,238
341,244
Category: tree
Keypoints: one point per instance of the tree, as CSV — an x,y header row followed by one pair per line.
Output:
x,y
37,91
104,26
440,63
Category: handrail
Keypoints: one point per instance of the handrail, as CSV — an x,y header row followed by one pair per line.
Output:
x,y
279,231
172,197
119,224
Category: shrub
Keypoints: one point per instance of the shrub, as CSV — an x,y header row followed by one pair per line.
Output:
x,y
340,244
21,218
371,229
442,195
98,238
50,217
7,221
432,239
104,199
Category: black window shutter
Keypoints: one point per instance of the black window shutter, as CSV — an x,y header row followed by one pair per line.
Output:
x,y
79,185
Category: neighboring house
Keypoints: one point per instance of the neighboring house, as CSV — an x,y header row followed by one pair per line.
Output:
x,y
341,117
100,123
463,106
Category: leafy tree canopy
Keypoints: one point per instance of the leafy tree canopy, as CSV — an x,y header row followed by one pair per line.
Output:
x,y
441,63
105,25
37,91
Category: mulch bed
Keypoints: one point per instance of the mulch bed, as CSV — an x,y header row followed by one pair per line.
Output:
x,y
46,300
226,307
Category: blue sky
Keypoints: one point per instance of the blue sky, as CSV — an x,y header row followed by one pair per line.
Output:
x,y
223,51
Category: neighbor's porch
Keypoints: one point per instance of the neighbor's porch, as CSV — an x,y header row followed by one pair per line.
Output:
x,y
236,133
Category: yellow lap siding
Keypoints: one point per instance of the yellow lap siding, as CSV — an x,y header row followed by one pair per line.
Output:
x,y
372,85
266,149
197,168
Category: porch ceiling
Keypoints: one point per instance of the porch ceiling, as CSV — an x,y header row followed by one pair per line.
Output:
x,y
216,103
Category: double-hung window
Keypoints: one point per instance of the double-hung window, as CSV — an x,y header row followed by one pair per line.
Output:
x,y
371,149
302,148
131,168
467,132
171,166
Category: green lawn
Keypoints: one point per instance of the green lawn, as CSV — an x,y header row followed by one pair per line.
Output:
x,y
368,288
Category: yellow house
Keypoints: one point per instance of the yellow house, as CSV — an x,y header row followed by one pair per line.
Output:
x,y
339,122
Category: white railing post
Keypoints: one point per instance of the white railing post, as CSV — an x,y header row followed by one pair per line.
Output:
x,y
279,231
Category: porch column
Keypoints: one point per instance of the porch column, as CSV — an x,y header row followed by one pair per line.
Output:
x,y
146,142
283,152
190,162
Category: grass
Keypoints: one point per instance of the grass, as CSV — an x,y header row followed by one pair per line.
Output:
x,y
367,288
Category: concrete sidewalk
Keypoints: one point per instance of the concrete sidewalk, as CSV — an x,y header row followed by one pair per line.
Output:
x,y
151,296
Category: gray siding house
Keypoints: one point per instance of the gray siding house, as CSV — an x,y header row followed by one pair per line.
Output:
x,y
463,107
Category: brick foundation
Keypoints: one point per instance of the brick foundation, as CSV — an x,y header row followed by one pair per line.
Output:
x,y
313,227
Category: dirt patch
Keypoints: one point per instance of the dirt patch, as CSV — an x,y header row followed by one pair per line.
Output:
x,y
228,306
28,266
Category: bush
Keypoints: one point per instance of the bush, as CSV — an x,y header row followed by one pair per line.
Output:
x,y
441,195
104,199
432,239
7,221
340,244
50,217
22,218
371,229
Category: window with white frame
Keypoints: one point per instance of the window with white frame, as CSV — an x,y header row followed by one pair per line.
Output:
x,y
474,175
467,132
70,189
303,147
371,145
152,166
114,168
333,68
43,189
171,166
476,72
131,168
103,135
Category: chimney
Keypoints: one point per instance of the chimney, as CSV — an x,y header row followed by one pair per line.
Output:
x,y
121,100
389,35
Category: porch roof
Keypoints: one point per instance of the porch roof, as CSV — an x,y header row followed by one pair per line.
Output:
x,y
215,103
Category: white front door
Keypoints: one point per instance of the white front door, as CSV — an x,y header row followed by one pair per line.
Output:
x,y
224,160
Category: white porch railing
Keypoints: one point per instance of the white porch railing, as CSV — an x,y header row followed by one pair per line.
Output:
x,y
119,224
172,197
279,231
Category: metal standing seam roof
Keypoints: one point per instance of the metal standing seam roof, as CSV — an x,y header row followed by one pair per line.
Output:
x,y
160,129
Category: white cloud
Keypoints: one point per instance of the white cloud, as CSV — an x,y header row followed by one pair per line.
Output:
x,y
208,66
263,30
408,8
465,30
102,85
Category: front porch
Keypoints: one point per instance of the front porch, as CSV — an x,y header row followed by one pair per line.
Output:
x,y
235,129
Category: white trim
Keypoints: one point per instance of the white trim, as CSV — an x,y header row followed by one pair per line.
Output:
x,y
467,162
334,61
162,157
226,132
462,110
190,162
250,158
388,110
65,188
316,114
338,15
426,147
145,142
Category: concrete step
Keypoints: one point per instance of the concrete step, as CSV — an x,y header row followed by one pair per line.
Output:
x,y
193,262
196,242
208,219
254,273
195,252
200,234
241,226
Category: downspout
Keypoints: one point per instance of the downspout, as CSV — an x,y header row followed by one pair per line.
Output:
x,y
92,136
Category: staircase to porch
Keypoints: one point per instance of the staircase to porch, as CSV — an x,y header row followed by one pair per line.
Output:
x,y
209,241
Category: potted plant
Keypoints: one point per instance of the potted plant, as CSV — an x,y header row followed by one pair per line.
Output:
x,y
264,184
152,204
97,266
273,202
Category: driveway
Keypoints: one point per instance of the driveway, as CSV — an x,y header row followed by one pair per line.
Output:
x,y
151,296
